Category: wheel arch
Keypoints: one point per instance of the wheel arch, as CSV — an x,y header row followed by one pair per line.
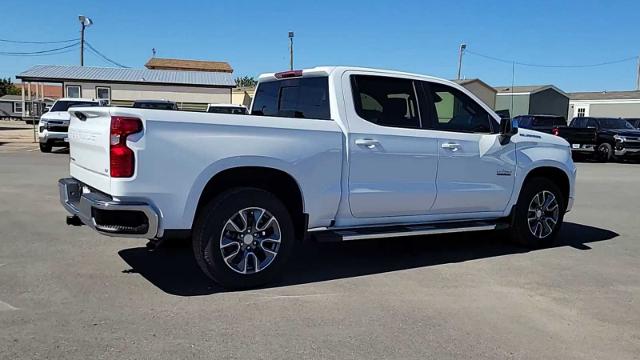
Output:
x,y
554,174
276,181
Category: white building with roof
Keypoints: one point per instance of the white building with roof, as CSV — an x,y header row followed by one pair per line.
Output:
x,y
191,90
624,104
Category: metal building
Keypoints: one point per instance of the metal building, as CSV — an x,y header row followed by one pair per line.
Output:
x,y
532,100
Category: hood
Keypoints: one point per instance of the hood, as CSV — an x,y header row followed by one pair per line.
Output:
x,y
541,137
621,132
62,116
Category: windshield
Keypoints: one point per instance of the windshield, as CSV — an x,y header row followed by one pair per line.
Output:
x,y
155,105
227,110
614,124
64,105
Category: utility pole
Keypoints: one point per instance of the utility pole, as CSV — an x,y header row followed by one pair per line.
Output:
x,y
290,50
463,46
638,76
85,22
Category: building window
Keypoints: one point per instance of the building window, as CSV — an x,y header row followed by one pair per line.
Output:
x,y
73,91
581,112
103,93
17,107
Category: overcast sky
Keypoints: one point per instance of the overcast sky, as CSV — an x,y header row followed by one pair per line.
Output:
x,y
415,36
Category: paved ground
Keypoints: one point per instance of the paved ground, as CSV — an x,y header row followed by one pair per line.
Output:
x,y
66,292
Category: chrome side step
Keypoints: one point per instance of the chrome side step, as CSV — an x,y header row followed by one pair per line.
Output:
x,y
332,235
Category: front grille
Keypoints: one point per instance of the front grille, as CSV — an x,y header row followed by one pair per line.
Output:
x,y
58,128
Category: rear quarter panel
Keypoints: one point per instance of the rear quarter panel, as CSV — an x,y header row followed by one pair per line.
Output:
x,y
180,152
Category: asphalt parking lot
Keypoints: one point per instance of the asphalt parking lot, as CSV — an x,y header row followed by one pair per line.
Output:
x,y
66,292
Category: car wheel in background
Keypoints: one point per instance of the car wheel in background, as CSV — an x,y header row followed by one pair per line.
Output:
x,y
539,213
243,238
604,152
45,147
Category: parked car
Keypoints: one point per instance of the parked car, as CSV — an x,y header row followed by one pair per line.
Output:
x,y
604,138
155,104
634,122
543,123
227,109
330,153
53,124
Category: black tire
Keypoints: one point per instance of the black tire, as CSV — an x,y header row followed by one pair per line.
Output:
x,y
209,227
604,152
45,147
521,232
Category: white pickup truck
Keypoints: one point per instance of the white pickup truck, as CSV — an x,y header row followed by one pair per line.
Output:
x,y
333,153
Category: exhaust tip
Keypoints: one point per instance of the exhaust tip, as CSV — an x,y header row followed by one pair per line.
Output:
x,y
74,221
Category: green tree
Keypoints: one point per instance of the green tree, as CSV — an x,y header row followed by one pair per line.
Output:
x,y
246,81
8,88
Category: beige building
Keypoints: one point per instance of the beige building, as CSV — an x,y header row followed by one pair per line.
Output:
x,y
480,89
190,89
243,95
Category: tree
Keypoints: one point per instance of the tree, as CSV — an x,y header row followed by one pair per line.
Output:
x,y
8,88
246,81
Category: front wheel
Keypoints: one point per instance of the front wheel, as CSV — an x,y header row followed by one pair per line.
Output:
x,y
604,152
539,213
243,238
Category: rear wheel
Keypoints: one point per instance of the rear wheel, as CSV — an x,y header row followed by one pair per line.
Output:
x,y
45,147
539,213
243,238
604,152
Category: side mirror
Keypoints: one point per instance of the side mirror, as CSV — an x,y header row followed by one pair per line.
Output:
x,y
508,127
45,110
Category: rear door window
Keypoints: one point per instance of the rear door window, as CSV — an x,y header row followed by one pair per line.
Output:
x,y
304,98
386,101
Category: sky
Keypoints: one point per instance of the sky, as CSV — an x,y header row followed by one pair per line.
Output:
x,y
414,36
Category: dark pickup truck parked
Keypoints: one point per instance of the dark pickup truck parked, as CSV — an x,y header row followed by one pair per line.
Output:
x,y
543,123
604,138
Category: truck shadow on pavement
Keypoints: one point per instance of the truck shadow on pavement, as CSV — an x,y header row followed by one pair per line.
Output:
x,y
175,271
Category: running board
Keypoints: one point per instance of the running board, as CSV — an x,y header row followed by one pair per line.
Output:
x,y
350,234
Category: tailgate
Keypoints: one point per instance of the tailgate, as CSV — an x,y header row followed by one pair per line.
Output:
x,y
578,135
89,131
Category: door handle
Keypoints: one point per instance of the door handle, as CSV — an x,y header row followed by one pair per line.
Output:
x,y
451,146
369,143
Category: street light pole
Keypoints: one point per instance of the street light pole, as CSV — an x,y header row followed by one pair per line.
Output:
x,y
638,76
85,22
290,50
462,48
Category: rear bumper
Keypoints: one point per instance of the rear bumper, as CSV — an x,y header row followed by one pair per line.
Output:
x,y
108,216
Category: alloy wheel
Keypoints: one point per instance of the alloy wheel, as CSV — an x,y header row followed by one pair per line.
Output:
x,y
250,240
543,214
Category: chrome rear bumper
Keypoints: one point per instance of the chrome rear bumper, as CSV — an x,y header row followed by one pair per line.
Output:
x,y
101,213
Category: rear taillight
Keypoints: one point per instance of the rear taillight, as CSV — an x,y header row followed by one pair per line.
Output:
x,y
555,131
121,158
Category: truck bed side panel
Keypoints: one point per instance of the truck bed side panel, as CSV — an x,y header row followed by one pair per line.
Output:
x,y
182,151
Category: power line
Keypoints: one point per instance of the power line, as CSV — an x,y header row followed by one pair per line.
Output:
x,y
37,52
38,42
507,61
104,56
47,54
